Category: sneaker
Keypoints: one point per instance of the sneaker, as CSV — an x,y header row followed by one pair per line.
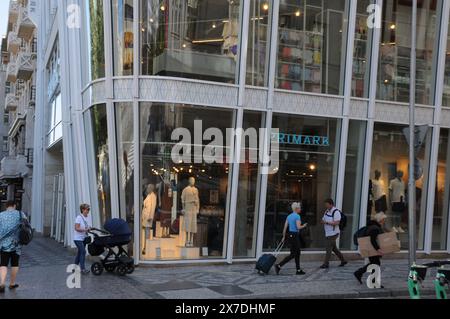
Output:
x,y
12,287
300,272
277,269
394,230
343,263
324,266
85,272
2,289
400,230
358,276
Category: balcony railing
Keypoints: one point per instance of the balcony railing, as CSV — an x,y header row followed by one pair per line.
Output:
x,y
13,42
13,11
25,66
11,72
25,25
11,102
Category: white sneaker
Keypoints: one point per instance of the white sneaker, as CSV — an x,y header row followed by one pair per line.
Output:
x,y
394,230
400,230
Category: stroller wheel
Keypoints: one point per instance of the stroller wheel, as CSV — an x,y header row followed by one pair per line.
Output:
x,y
122,270
110,268
130,269
97,269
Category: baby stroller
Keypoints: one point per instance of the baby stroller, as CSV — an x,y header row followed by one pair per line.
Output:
x,y
116,234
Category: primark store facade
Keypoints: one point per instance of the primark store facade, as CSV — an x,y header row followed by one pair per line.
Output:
x,y
333,82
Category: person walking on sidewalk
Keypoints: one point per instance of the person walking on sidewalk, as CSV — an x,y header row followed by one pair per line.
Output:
x,y
331,220
82,227
374,228
10,249
291,233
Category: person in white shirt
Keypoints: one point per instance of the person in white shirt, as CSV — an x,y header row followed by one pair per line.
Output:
x,y
331,220
397,190
82,227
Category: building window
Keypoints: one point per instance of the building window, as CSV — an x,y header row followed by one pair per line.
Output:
x,y
354,168
96,39
395,49
446,93
5,144
389,178
361,51
441,198
55,133
259,42
97,139
6,119
310,51
248,193
184,202
126,161
308,148
191,39
122,27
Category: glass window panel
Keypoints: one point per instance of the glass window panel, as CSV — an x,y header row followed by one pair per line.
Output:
x,y
248,190
97,133
395,49
180,220
441,198
259,42
361,51
96,37
353,180
191,39
389,179
308,150
446,94
311,49
122,24
126,161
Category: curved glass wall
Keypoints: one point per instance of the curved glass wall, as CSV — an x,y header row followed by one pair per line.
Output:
x,y
311,45
123,38
184,200
191,39
97,139
96,39
395,48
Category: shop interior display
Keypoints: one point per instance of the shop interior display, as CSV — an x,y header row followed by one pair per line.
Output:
x,y
191,208
397,190
360,57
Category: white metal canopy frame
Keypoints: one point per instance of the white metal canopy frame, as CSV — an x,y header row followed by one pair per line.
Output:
x,y
239,97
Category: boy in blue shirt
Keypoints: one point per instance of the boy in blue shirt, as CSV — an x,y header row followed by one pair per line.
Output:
x,y
291,233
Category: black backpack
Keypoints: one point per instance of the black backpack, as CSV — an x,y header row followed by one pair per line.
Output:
x,y
26,232
343,221
362,232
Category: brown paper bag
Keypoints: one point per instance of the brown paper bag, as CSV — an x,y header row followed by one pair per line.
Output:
x,y
388,242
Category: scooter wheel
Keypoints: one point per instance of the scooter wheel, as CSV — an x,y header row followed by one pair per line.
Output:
x,y
130,269
97,269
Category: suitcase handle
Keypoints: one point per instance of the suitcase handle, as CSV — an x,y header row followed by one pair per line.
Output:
x,y
279,248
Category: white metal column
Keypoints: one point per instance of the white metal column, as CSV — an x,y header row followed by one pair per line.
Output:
x,y
266,145
371,115
346,104
136,133
109,89
438,92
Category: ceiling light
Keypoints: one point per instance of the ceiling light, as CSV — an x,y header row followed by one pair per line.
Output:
x,y
265,6
392,27
163,8
297,13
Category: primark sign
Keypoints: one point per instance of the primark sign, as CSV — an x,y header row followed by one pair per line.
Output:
x,y
300,139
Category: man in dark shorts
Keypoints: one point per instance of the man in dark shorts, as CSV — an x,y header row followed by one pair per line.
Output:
x,y
10,248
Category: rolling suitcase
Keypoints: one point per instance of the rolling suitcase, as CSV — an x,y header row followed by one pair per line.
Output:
x,y
266,261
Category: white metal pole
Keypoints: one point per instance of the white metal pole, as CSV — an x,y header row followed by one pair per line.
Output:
x,y
412,100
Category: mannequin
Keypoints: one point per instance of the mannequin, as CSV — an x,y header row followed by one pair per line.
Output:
x,y
379,194
148,215
191,207
397,197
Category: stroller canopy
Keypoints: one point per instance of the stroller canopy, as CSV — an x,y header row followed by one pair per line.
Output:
x,y
117,227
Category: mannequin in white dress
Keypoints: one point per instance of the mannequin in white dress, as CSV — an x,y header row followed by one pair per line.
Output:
x,y
191,207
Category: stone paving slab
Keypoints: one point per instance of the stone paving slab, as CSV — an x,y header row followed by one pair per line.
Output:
x,y
43,275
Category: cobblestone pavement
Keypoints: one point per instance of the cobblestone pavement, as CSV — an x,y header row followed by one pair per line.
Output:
x,y
44,263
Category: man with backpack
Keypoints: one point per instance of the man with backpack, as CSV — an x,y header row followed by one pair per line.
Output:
x,y
10,247
333,221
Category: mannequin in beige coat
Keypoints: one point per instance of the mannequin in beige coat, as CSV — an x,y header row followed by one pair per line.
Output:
x,y
191,207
